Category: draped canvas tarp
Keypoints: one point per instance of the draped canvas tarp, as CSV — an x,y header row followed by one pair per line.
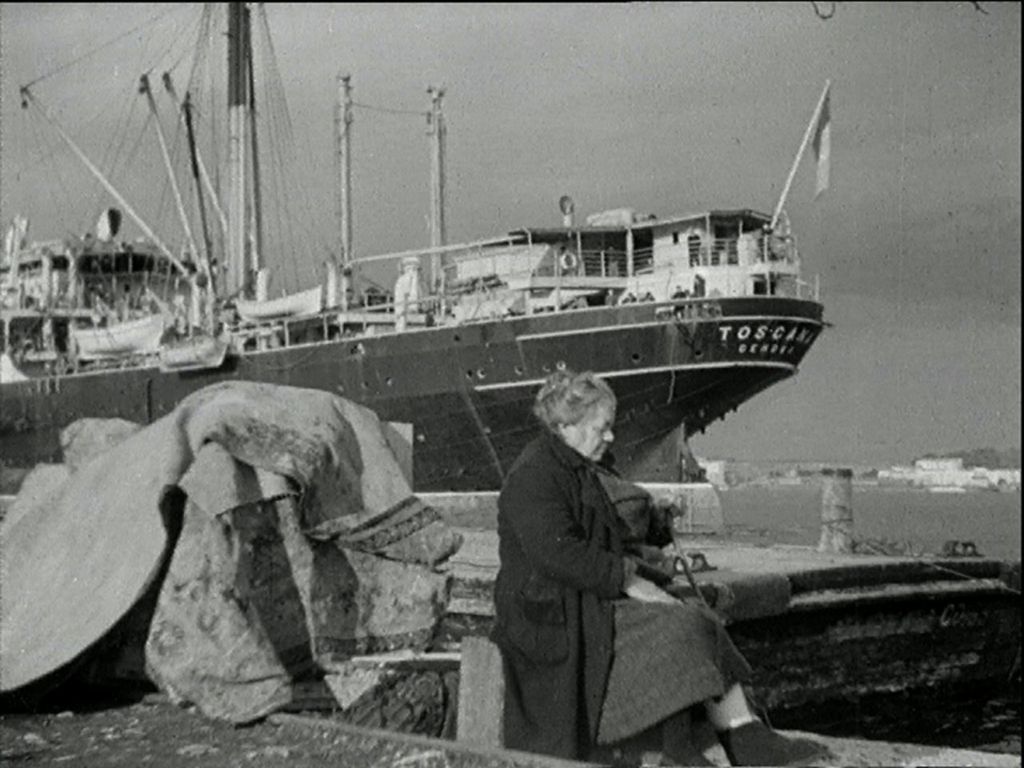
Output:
x,y
300,544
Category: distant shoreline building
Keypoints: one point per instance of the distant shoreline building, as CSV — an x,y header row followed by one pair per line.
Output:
x,y
951,473
714,470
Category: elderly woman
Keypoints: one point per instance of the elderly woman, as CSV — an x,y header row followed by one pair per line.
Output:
x,y
594,652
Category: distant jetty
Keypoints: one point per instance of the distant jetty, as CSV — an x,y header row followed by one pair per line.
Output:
x,y
946,474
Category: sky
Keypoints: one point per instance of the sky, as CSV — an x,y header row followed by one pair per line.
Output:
x,y
665,108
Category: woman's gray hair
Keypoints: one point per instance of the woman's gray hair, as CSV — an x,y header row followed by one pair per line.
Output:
x,y
567,397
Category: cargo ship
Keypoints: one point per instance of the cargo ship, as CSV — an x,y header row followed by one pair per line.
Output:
x,y
687,316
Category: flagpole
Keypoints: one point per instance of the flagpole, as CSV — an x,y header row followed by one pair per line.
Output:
x,y
800,153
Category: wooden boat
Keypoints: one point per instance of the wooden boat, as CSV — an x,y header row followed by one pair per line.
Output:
x,y
300,304
132,337
197,353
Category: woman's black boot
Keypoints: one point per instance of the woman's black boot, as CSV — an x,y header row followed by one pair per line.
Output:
x,y
754,743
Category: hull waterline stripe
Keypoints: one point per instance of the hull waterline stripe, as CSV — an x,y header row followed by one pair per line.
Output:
x,y
666,321
654,369
310,346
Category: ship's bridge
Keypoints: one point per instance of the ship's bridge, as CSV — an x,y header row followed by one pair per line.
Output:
x,y
714,253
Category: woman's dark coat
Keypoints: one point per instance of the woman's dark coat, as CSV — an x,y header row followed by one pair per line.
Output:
x,y
562,565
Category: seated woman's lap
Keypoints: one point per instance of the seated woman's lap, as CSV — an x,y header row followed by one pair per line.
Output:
x,y
667,657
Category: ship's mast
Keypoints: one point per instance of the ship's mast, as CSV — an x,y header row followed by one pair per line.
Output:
x,y
238,274
184,105
436,132
343,124
193,155
256,232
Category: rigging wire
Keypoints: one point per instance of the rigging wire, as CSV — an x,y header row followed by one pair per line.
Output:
x,y
115,147
284,141
202,93
277,123
113,157
203,43
392,110
88,54
181,33
55,169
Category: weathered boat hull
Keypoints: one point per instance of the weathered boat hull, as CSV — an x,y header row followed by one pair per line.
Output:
x,y
823,637
888,638
675,366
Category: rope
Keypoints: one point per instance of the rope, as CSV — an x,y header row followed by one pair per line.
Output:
x,y
942,569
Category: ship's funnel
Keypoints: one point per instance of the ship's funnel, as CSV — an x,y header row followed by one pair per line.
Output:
x,y
109,224
567,207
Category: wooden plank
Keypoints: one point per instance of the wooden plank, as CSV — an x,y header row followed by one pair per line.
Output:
x,y
481,694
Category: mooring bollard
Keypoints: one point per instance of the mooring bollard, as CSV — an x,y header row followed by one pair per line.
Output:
x,y
836,511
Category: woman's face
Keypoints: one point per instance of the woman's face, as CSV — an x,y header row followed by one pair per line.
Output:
x,y
592,435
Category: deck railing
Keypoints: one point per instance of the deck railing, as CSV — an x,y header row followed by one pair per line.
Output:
x,y
494,273
610,262
743,252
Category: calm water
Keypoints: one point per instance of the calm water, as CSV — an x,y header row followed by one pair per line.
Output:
x,y
985,720
792,515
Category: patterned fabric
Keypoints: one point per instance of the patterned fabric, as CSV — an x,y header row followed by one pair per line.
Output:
x,y
667,658
409,531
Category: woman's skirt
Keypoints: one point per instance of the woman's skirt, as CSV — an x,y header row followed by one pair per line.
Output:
x,y
667,658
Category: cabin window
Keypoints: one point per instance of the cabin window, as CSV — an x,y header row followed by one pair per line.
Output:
x,y
675,238
732,252
693,245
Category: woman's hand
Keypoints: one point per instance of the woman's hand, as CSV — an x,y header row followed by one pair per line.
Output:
x,y
642,589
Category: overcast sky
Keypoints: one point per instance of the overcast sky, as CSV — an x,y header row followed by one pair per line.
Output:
x,y
667,108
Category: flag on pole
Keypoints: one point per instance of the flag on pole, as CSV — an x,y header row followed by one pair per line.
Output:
x,y
820,129
823,145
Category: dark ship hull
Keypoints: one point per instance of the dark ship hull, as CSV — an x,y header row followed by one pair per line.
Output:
x,y
468,390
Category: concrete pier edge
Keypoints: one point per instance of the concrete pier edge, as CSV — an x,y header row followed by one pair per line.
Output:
x,y
844,751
